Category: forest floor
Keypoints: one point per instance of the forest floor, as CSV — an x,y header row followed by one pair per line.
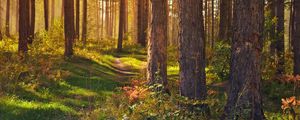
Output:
x,y
80,87
84,86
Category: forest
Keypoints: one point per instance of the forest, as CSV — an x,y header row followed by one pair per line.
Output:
x,y
149,59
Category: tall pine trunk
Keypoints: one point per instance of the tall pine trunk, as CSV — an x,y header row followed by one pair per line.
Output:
x,y
69,27
84,22
32,21
296,36
24,25
280,38
53,12
7,19
157,43
1,22
192,50
225,19
245,100
121,25
46,14
143,13
77,29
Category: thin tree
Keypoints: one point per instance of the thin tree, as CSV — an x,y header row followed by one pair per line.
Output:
x,y
77,25
84,22
69,27
32,21
296,36
24,25
7,19
245,100
1,22
143,13
280,37
192,50
157,43
46,14
121,25
52,12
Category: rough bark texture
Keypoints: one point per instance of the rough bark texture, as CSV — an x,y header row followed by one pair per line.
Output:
x,y
69,27
143,13
192,50
32,21
157,43
280,37
296,37
77,29
245,101
225,19
46,14
7,19
121,25
84,23
24,25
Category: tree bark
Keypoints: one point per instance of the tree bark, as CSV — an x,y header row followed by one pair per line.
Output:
x,y
280,37
7,19
84,22
192,50
245,101
126,17
32,21
53,12
77,29
121,24
69,27
24,25
143,13
1,22
225,20
157,43
296,36
46,14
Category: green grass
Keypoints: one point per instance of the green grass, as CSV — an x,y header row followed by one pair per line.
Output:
x,y
88,79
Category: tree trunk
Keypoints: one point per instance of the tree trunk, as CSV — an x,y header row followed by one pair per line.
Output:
x,y
192,50
1,22
102,19
272,7
212,24
296,37
24,25
46,14
52,12
126,17
32,21
62,11
84,22
143,13
157,43
121,24
225,20
280,37
69,27
107,16
77,29
17,16
245,101
7,20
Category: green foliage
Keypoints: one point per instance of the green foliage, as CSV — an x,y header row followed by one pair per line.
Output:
x,y
218,69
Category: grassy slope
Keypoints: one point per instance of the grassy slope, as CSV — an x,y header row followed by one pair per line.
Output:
x,y
88,79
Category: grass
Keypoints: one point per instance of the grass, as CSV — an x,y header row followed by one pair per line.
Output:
x,y
87,79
